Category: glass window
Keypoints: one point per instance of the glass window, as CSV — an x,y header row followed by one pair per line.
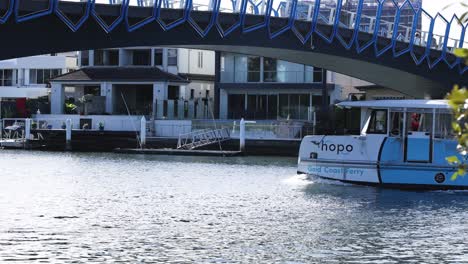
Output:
x,y
40,76
47,75
304,106
113,57
32,76
269,70
173,92
98,57
172,57
7,77
251,105
56,72
283,106
158,57
294,106
84,57
419,122
318,74
236,106
396,124
272,107
141,57
443,125
253,68
378,122
200,59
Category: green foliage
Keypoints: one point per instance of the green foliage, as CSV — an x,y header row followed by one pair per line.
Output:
x,y
70,108
462,53
458,100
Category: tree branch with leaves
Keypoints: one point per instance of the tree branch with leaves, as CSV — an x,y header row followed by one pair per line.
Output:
x,y
458,101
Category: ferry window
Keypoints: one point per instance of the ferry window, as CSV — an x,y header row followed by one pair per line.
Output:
x,y
378,122
443,126
396,124
419,122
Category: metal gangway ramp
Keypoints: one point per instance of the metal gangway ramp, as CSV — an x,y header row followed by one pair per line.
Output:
x,y
202,138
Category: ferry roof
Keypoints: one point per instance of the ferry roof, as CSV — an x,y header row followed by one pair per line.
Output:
x,y
428,104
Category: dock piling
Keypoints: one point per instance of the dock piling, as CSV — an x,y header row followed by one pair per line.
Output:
x,y
27,132
143,132
68,134
242,135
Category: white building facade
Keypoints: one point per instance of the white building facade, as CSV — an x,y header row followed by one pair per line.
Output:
x,y
164,83
33,73
28,78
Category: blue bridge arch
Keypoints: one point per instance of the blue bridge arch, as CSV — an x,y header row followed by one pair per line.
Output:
x,y
335,41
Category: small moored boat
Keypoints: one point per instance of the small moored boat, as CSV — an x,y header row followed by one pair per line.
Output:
x,y
402,144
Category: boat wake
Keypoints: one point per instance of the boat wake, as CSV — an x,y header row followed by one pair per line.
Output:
x,y
304,179
298,180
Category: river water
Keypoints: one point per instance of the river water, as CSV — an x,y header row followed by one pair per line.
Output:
x,y
95,208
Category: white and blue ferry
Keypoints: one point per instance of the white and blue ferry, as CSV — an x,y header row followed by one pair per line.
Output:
x,y
402,144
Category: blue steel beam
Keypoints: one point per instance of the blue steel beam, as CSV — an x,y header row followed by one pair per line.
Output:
x,y
108,28
313,24
73,26
274,11
40,13
8,12
144,21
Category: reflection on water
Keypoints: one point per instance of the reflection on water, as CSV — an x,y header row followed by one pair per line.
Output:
x,y
65,207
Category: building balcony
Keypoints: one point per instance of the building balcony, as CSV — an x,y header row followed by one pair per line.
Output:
x,y
268,77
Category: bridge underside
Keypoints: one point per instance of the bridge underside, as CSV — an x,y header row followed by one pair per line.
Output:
x,y
48,34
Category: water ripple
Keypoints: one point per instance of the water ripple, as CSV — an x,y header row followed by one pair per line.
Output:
x,y
95,208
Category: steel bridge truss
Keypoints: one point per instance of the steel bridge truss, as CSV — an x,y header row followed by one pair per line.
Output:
x,y
330,12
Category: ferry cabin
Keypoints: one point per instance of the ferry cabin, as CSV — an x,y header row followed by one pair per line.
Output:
x,y
402,144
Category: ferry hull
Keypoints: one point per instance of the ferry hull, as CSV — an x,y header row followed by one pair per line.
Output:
x,y
373,162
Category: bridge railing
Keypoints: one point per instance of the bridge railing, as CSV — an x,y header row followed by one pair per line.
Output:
x,y
267,77
440,33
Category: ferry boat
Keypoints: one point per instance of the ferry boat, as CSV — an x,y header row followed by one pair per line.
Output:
x,y
402,144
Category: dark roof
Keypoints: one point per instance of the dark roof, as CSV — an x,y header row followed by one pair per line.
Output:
x,y
119,74
198,77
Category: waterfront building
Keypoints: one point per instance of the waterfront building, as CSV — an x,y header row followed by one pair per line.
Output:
x,y
28,78
164,83
264,88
